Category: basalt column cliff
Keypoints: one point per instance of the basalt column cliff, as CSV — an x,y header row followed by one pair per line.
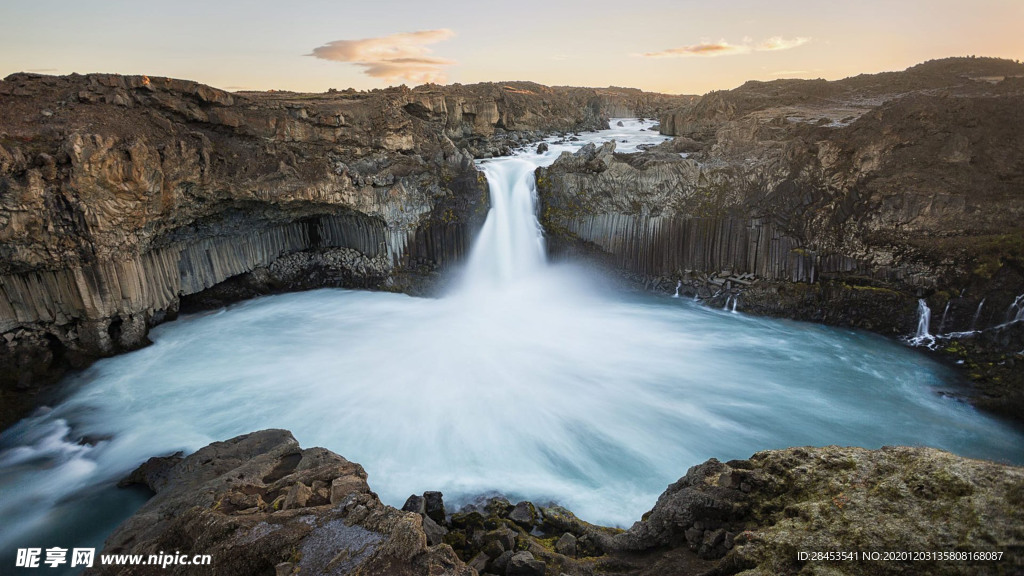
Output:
x,y
120,196
840,202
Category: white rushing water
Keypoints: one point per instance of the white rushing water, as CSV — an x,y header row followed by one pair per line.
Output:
x,y
527,380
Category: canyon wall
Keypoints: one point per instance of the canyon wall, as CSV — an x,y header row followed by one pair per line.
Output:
x,y
122,195
840,202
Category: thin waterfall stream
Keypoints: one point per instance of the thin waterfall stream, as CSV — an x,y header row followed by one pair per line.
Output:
x,y
529,379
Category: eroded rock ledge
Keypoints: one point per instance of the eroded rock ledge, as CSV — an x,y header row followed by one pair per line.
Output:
x,y
261,505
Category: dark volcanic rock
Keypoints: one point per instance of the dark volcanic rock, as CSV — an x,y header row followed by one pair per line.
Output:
x,y
524,514
154,473
524,564
416,504
259,503
434,506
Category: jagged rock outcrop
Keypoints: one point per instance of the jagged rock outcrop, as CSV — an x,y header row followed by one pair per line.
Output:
x,y
120,196
840,202
758,514
258,503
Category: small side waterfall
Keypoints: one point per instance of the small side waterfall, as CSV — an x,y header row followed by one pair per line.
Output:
x,y
942,323
1018,304
977,314
924,318
679,285
735,299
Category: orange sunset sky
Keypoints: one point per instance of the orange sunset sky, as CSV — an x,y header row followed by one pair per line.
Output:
x,y
659,45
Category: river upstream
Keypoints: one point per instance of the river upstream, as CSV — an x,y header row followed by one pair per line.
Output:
x,y
528,379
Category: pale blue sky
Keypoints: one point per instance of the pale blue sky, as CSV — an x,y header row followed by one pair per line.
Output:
x,y
263,44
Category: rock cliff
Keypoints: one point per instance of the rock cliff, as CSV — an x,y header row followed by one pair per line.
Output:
x,y
120,196
839,202
258,504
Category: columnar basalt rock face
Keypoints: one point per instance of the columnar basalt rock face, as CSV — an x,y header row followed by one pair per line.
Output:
x,y
258,503
120,195
843,202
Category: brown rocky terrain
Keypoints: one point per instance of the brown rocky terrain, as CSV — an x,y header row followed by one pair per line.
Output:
x,y
123,198
839,202
258,504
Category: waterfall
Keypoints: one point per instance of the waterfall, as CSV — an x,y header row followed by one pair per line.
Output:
x,y
735,299
726,305
942,323
924,317
679,284
511,242
977,313
1018,303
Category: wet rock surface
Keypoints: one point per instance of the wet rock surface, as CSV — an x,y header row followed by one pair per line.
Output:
x,y
258,503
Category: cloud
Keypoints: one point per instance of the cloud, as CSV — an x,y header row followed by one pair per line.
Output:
x,y
703,49
780,43
403,56
723,48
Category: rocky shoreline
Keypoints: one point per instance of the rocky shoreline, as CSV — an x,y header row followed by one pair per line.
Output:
x,y
259,504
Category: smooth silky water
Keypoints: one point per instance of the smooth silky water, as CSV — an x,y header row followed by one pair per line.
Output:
x,y
527,379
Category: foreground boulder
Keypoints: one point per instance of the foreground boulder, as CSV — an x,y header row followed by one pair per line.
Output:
x,y
260,505
757,515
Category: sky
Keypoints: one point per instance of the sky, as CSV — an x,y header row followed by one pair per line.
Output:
x,y
672,46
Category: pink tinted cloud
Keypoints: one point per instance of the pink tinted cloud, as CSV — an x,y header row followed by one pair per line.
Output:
x,y
703,49
403,56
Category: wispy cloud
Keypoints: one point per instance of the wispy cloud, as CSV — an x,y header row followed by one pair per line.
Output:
x,y
402,56
723,48
780,43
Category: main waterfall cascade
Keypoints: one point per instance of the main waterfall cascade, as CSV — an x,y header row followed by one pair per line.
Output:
x,y
527,380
